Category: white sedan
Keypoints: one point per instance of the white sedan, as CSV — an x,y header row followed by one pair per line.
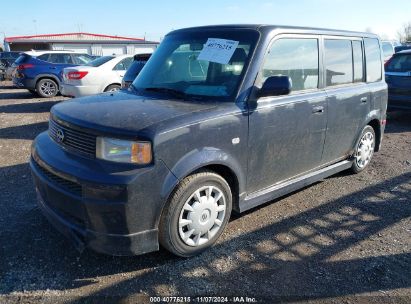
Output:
x,y
103,74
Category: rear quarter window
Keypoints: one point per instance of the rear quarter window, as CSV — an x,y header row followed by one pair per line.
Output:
x,y
22,59
373,59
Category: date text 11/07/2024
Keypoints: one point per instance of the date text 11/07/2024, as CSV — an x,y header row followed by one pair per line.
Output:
x,y
239,299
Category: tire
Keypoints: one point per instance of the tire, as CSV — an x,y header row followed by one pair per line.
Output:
x,y
46,88
364,149
208,217
112,88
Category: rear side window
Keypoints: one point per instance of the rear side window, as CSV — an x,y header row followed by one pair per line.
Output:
x,y
373,59
296,58
43,57
60,58
357,61
399,63
338,62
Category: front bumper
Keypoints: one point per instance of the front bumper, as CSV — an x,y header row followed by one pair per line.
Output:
x,y
78,91
96,204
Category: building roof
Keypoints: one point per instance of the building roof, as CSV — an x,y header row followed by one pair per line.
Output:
x,y
74,38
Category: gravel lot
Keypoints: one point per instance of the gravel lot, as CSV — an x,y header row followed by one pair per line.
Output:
x,y
346,239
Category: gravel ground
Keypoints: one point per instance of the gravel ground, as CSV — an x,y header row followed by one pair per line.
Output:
x,y
346,239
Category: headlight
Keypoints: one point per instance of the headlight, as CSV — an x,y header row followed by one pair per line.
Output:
x,y
123,151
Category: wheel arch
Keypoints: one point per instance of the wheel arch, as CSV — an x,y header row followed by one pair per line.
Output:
x,y
48,76
115,83
208,159
376,125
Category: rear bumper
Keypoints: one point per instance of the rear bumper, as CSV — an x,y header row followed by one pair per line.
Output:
x,y
78,91
102,206
25,83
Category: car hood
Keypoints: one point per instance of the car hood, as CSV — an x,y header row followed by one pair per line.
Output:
x,y
123,112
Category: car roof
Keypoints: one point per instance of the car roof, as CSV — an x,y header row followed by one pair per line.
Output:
x,y
268,28
404,52
38,53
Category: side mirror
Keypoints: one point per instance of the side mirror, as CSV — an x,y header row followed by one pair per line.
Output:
x,y
275,86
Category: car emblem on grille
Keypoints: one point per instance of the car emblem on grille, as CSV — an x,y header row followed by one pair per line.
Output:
x,y
60,135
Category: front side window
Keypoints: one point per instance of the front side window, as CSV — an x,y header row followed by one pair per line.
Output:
x,y
182,64
338,62
81,59
296,58
373,59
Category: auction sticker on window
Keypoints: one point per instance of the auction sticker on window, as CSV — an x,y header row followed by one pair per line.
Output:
x,y
218,50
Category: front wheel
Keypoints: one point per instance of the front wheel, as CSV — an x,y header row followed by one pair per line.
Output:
x,y
364,149
196,214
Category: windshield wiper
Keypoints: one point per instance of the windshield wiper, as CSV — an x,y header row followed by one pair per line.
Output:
x,y
176,93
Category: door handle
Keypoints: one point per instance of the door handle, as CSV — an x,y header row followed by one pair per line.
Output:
x,y
319,109
363,99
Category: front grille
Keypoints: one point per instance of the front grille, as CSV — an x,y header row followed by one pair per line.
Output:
x,y
63,183
73,139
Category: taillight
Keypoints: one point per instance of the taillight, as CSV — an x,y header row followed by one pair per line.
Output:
x,y
76,75
24,66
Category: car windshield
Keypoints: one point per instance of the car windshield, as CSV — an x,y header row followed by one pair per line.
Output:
x,y
399,63
207,64
100,61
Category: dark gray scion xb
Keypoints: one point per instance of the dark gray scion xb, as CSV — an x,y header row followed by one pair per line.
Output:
x,y
221,118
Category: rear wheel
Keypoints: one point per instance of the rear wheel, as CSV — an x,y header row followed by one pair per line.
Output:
x,y
46,88
364,149
196,214
112,88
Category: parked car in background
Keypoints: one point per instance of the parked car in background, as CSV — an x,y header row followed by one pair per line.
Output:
x,y
387,49
221,118
136,66
103,74
6,61
40,71
398,79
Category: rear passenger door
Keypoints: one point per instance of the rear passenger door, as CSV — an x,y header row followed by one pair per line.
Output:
x,y
348,96
59,62
286,133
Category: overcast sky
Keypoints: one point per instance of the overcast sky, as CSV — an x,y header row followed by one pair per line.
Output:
x,y
155,18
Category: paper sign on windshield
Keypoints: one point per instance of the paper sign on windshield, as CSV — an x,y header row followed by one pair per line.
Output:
x,y
218,50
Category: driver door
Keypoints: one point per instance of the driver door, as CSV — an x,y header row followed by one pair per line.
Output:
x,y
287,133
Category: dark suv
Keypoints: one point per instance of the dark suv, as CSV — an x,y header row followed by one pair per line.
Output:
x,y
398,78
40,71
220,118
139,61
